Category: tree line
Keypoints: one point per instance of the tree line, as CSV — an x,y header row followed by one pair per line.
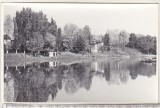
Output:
x,y
33,31
145,44
121,39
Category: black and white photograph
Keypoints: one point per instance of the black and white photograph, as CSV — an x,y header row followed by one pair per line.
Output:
x,y
80,53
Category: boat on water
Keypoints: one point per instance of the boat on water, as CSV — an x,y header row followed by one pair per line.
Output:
x,y
149,60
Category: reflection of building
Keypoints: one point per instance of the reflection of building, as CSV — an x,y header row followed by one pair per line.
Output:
x,y
97,67
52,64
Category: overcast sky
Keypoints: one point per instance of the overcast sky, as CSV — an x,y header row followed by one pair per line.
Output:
x,y
136,18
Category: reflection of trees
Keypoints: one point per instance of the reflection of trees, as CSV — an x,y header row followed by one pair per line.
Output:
x,y
79,76
39,82
140,68
107,71
33,84
9,89
119,71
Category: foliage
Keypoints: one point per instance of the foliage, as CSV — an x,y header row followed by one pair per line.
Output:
x,y
88,37
114,39
70,33
37,42
132,40
8,32
77,39
52,28
79,44
145,44
106,39
106,43
50,41
28,25
59,40
122,39
8,26
118,38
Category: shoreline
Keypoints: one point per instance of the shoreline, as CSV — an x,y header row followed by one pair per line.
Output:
x,y
64,58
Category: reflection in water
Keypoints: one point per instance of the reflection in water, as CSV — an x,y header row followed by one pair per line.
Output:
x,y
40,82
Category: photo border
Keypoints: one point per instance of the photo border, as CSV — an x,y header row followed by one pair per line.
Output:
x,y
83,2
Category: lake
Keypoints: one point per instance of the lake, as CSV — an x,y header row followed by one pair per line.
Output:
x,y
96,81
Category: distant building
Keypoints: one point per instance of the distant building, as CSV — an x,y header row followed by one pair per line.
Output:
x,y
52,54
96,44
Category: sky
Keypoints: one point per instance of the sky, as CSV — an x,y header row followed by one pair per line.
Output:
x,y
134,18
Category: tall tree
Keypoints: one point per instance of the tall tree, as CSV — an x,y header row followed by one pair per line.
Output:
x,y
28,24
79,44
53,27
8,26
50,41
70,34
122,39
15,35
114,39
132,40
87,36
59,39
37,42
106,39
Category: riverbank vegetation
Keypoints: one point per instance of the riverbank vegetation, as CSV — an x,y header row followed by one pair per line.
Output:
x,y
33,32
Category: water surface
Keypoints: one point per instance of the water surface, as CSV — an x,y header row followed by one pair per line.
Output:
x,y
108,81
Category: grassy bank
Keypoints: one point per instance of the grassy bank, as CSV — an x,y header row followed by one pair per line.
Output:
x,y
13,59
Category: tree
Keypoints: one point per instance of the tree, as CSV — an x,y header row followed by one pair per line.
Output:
x,y
37,42
59,40
30,24
132,40
50,41
155,45
15,35
106,39
114,39
70,34
8,26
8,32
87,37
53,27
145,44
70,31
122,39
79,44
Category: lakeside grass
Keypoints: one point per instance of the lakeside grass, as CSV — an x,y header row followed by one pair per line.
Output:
x,y
21,59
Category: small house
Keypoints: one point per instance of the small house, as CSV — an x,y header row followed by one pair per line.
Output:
x,y
52,54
